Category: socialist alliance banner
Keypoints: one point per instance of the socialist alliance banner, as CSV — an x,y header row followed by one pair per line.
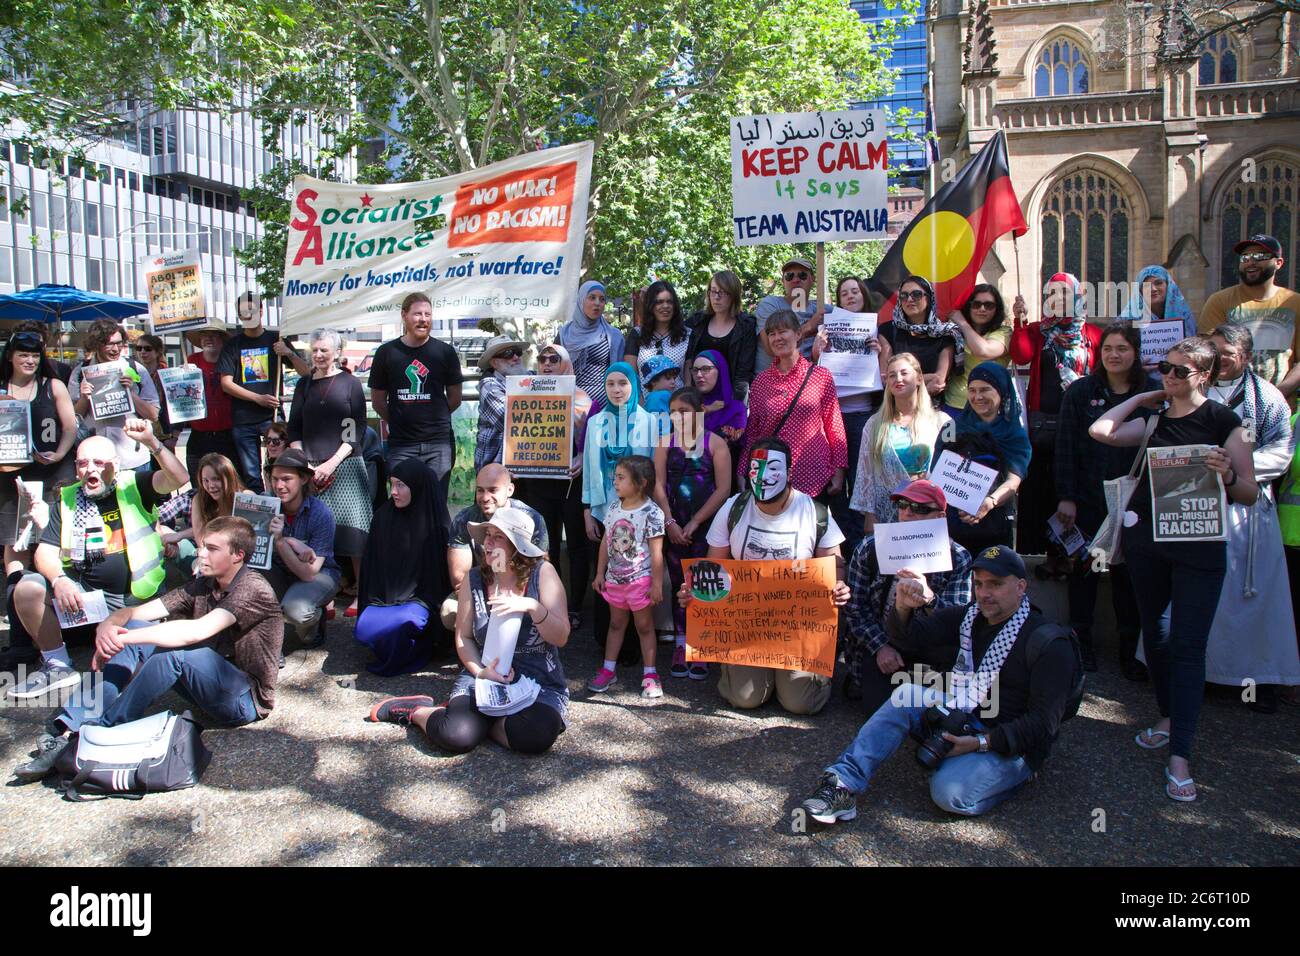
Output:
x,y
503,241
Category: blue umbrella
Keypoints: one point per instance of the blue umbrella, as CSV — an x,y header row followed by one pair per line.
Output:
x,y
52,303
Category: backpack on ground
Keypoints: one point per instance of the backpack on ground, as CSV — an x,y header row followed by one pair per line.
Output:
x,y
742,499
1038,642
150,755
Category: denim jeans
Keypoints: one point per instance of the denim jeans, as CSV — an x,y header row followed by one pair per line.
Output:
x,y
439,456
302,601
139,674
970,784
1177,586
248,443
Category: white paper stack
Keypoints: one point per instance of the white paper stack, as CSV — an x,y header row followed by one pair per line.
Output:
x,y
502,700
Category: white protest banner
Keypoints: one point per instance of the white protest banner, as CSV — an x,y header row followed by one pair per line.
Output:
x,y
854,369
809,177
965,483
921,546
1158,338
539,426
177,290
183,391
502,241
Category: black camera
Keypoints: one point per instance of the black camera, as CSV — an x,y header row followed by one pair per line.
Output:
x,y
935,722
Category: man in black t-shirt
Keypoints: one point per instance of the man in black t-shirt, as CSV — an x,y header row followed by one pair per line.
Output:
x,y
99,536
249,369
415,385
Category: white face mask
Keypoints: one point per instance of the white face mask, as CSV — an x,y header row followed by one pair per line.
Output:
x,y
769,474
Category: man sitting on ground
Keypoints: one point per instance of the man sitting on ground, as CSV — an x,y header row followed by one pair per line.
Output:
x,y
100,538
303,572
871,659
219,648
493,489
1004,652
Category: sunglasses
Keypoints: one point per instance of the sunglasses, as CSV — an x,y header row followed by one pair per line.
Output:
x,y
273,441
508,354
916,509
800,275
1183,372
981,303
548,358
916,296
1255,257
100,463
28,342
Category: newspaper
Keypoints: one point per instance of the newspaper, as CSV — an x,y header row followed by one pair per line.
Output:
x,y
502,700
26,532
1188,502
93,610
258,510
15,432
183,391
110,398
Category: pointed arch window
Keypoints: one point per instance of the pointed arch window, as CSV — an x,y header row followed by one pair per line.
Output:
x,y
1085,227
1219,59
1270,205
1062,69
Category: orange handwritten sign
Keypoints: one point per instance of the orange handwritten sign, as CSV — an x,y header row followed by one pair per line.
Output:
x,y
763,613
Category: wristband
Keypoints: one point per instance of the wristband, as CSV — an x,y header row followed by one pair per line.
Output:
x,y
1229,484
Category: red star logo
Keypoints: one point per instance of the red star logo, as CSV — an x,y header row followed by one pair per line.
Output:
x,y
367,199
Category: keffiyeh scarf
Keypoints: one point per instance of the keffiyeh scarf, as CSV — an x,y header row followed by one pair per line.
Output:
x,y
971,685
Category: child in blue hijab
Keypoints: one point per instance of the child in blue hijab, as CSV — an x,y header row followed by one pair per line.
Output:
x,y
621,428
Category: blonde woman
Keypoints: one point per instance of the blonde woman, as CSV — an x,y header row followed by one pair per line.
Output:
x,y
897,441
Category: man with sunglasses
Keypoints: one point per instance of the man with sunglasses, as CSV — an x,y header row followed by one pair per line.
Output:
x,y
99,537
106,345
871,658
797,277
1269,310
503,356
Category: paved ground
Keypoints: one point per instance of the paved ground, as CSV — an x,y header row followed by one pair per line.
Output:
x,y
681,781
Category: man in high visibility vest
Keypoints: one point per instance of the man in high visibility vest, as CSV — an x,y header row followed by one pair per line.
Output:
x,y
100,540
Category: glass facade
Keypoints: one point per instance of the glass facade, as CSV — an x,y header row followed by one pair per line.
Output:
x,y
910,58
168,181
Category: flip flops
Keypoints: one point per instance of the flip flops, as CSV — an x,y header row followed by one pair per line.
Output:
x,y
1151,742
1173,784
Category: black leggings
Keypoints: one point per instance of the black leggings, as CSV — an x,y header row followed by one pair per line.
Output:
x,y
560,505
460,727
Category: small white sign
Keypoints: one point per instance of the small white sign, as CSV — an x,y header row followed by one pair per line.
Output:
x,y
93,610
854,368
920,546
1158,338
965,483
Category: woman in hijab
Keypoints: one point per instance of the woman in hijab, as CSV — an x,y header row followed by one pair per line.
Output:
x,y
724,414
560,502
1059,350
620,428
403,572
592,343
1157,298
916,328
989,433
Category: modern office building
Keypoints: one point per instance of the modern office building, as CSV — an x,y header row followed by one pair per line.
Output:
x,y
910,59
168,181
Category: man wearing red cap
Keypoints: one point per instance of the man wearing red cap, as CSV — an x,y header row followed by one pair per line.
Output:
x,y
1269,310
870,658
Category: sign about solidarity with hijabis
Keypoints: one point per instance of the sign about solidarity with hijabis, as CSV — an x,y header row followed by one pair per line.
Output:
x,y
539,426
503,241
809,177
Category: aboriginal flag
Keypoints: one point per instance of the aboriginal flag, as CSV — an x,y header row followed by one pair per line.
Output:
x,y
947,242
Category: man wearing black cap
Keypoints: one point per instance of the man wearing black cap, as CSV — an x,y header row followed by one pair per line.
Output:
x,y
797,278
1269,310
1013,671
303,572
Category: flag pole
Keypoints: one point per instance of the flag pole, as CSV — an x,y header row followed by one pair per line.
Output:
x,y
821,274
1015,245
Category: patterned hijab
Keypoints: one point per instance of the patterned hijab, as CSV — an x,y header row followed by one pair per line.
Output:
x,y
932,327
1063,335
1176,306
732,413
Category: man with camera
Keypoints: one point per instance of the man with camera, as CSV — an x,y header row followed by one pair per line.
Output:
x,y
1014,676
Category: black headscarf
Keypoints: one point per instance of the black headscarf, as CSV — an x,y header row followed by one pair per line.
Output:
x,y
406,552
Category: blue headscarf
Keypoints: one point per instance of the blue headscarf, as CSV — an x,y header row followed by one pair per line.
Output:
x,y
1176,306
613,433
1011,438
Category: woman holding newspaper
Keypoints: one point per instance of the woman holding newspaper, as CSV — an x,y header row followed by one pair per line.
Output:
x,y
1178,581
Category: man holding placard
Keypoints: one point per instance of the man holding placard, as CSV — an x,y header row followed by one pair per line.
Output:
x,y
105,341
870,657
1015,677
773,521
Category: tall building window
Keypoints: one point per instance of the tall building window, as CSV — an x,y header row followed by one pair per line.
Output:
x,y
1270,205
1086,221
1062,69
1218,59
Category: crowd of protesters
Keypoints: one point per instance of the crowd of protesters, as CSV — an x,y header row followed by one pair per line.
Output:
x,y
705,433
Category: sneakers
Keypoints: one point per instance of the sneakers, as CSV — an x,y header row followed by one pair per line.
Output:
x,y
651,687
698,671
679,668
831,801
398,710
48,748
602,682
51,675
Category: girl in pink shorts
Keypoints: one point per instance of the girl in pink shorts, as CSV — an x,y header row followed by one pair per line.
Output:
x,y
630,570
